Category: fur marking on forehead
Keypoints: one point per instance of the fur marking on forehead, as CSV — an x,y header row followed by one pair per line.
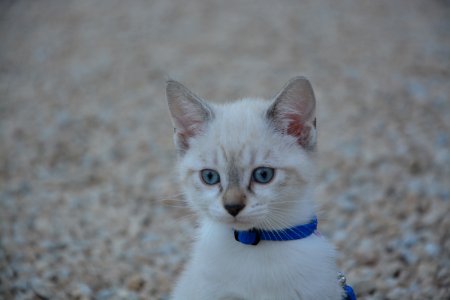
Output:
x,y
233,173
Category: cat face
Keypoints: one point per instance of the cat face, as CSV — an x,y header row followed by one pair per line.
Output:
x,y
247,163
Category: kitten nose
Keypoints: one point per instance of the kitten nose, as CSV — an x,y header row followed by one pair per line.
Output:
x,y
234,209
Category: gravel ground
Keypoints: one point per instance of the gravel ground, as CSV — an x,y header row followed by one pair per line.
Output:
x,y
88,206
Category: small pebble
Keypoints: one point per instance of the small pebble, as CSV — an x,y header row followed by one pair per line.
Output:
x,y
397,293
104,294
432,250
136,283
41,288
81,291
366,252
364,286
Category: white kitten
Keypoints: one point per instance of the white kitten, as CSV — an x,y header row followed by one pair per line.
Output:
x,y
245,165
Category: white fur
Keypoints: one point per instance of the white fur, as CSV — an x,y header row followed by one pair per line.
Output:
x,y
222,268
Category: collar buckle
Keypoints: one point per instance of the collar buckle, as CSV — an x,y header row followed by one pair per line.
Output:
x,y
249,237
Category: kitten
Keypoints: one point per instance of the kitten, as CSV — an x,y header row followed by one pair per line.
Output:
x,y
244,167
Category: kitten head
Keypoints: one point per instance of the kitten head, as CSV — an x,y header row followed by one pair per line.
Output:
x,y
248,163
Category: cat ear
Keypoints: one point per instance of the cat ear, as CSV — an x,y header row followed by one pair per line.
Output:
x,y
293,112
189,113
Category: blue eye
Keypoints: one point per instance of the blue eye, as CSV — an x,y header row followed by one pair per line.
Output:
x,y
263,175
209,176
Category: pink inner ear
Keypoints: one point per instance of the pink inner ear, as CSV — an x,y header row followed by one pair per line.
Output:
x,y
189,124
295,127
188,128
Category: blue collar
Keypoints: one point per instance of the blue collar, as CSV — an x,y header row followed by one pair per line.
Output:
x,y
253,236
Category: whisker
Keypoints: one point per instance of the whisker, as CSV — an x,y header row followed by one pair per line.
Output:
x,y
285,201
278,219
171,198
176,206
186,217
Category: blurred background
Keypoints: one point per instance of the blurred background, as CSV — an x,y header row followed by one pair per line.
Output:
x,y
88,205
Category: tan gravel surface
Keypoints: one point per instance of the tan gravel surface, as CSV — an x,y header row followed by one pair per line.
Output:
x,y
88,207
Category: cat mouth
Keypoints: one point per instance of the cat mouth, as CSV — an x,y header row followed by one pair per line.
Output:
x,y
242,225
238,223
